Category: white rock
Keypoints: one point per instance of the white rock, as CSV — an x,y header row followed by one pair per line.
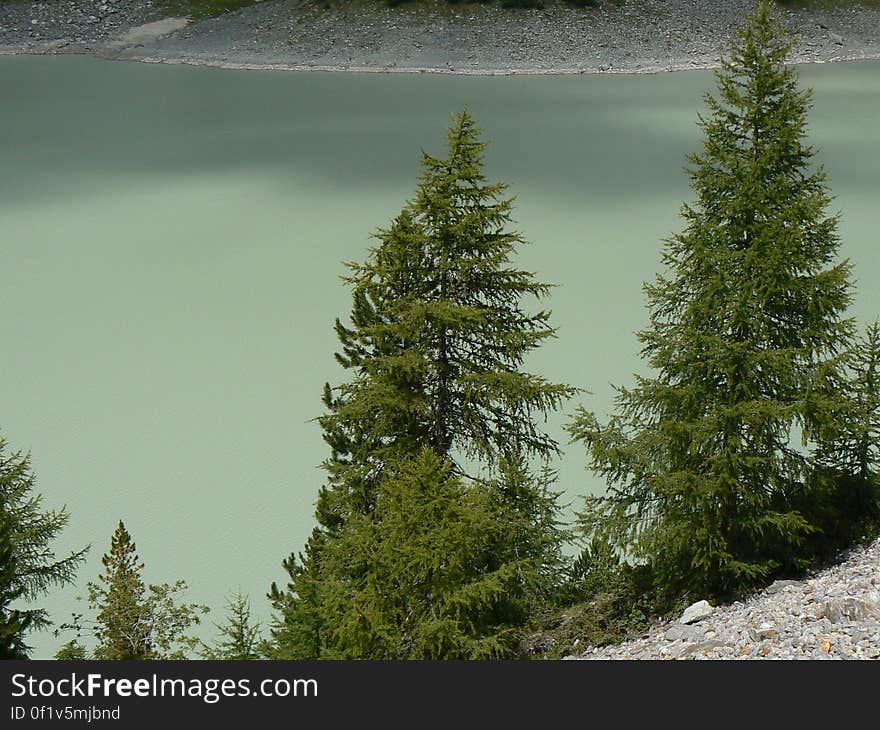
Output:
x,y
696,612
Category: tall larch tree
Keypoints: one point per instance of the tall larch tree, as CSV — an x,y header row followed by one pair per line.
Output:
x,y
439,333
436,343
28,566
707,461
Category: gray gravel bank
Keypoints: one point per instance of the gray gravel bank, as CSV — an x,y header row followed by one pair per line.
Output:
x,y
833,614
630,37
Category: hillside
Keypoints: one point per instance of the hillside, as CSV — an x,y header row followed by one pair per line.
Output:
x,y
833,614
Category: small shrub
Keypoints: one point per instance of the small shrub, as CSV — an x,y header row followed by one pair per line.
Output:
x,y
604,601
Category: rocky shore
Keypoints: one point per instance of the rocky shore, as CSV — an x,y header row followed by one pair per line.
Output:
x,y
833,614
623,36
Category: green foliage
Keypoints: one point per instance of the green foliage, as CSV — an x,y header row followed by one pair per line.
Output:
x,y
13,623
856,448
297,629
437,337
604,600
28,568
531,533
438,331
846,479
423,577
72,651
707,480
134,620
120,601
239,637
595,569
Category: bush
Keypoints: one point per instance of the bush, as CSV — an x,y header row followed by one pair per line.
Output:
x,y
604,601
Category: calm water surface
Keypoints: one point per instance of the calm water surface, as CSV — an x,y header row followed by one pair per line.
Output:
x,y
171,239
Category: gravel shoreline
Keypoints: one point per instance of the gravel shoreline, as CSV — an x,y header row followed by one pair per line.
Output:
x,y
832,614
634,36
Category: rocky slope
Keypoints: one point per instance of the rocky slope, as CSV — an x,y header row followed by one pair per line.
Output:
x,y
833,614
72,25
630,36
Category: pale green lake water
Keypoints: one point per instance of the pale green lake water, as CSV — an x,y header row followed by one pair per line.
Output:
x,y
170,244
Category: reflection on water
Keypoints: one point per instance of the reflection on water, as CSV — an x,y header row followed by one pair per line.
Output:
x,y
171,239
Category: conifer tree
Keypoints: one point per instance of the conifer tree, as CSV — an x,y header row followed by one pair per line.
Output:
x,y
119,597
856,450
13,623
297,629
28,568
72,651
705,460
239,636
847,463
438,336
134,620
422,577
439,333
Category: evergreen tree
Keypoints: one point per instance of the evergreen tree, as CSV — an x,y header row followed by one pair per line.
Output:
x,y
439,333
28,568
421,577
847,475
856,450
436,343
134,620
298,626
72,651
239,637
530,535
13,623
704,460
120,597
